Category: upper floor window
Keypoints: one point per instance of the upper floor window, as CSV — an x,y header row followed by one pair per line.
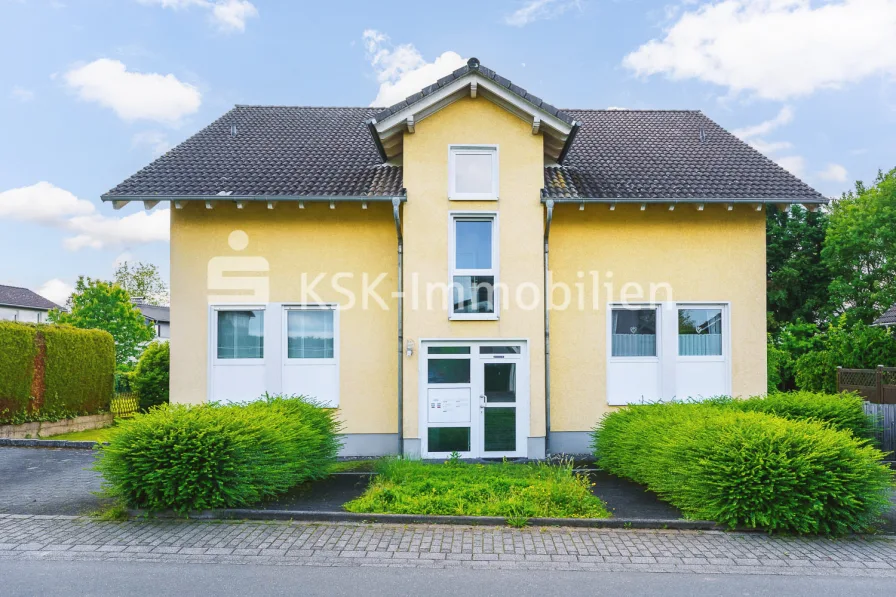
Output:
x,y
472,172
474,266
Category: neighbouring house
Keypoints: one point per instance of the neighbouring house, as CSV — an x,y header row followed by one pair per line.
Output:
x,y
888,318
471,270
158,316
21,304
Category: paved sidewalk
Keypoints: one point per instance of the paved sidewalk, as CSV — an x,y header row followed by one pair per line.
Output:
x,y
34,537
48,481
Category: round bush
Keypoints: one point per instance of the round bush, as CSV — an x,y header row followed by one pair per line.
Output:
x,y
150,378
748,469
187,458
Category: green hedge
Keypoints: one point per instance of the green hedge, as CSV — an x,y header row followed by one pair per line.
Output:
x,y
188,458
51,372
150,378
17,352
747,469
841,411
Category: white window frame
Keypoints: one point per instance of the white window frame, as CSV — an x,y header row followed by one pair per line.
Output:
x,y
453,218
285,333
667,343
213,337
491,150
656,308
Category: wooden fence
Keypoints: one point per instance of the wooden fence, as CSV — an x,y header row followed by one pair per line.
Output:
x,y
878,388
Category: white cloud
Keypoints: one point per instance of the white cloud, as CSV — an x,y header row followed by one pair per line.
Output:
x,y
47,204
156,141
56,290
123,258
43,203
229,15
98,231
775,49
401,70
753,135
784,116
133,95
834,172
539,10
21,94
795,164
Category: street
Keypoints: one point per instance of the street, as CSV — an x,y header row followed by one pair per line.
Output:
x,y
136,579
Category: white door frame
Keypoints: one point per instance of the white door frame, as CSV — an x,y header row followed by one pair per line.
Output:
x,y
477,413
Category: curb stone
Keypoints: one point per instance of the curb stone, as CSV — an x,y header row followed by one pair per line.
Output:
x,y
337,516
47,443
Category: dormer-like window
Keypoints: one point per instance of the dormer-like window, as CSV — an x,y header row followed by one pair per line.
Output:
x,y
473,172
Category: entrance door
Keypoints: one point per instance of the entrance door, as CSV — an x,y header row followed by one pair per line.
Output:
x,y
474,399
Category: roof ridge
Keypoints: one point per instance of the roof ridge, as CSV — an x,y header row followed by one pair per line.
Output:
x,y
18,287
306,107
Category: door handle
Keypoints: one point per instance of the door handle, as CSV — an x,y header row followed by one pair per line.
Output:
x,y
482,400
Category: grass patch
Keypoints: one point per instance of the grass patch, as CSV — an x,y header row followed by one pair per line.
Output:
x,y
103,434
515,491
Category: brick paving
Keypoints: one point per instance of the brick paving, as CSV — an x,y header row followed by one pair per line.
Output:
x,y
440,546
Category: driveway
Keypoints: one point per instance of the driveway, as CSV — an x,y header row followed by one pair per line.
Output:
x,y
48,481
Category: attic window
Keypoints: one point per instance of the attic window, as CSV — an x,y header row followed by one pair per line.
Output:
x,y
472,172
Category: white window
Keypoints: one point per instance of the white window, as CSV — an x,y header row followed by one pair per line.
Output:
x,y
311,352
474,266
240,334
473,172
667,351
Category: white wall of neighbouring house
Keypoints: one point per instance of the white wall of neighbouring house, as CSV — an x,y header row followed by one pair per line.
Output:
x,y
22,314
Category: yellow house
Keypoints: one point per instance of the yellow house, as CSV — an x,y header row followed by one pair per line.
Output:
x,y
471,270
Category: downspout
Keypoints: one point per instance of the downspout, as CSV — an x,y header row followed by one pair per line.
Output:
x,y
549,215
396,203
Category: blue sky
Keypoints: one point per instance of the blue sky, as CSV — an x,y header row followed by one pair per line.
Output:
x,y
93,90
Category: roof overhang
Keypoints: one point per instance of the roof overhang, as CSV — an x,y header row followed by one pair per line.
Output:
x,y
810,203
150,201
388,134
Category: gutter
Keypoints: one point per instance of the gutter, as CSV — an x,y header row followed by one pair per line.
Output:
x,y
260,198
396,204
549,216
706,200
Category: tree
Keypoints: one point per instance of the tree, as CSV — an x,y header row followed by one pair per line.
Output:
x,y
798,278
142,280
860,250
150,377
96,304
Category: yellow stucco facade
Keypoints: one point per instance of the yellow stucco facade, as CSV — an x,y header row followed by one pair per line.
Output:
x,y
713,255
710,255
314,240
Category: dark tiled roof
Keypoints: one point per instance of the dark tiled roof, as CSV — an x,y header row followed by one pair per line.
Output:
x,y
276,151
155,313
660,154
485,72
13,296
329,152
888,318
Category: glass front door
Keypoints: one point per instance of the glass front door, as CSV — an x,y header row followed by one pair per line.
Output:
x,y
475,400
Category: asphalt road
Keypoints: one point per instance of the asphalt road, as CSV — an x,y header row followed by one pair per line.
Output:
x,y
136,579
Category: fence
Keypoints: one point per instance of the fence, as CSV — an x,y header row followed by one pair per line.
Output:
x,y
124,405
878,388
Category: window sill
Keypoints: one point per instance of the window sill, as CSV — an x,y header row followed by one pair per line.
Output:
x,y
473,317
473,197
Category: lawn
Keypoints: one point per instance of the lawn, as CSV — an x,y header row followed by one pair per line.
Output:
x,y
503,489
91,435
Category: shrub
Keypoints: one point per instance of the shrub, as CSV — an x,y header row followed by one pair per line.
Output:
x,y
49,372
202,457
841,411
17,352
747,468
150,378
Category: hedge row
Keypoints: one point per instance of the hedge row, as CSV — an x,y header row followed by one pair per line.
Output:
x,y
53,371
190,458
841,411
748,469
